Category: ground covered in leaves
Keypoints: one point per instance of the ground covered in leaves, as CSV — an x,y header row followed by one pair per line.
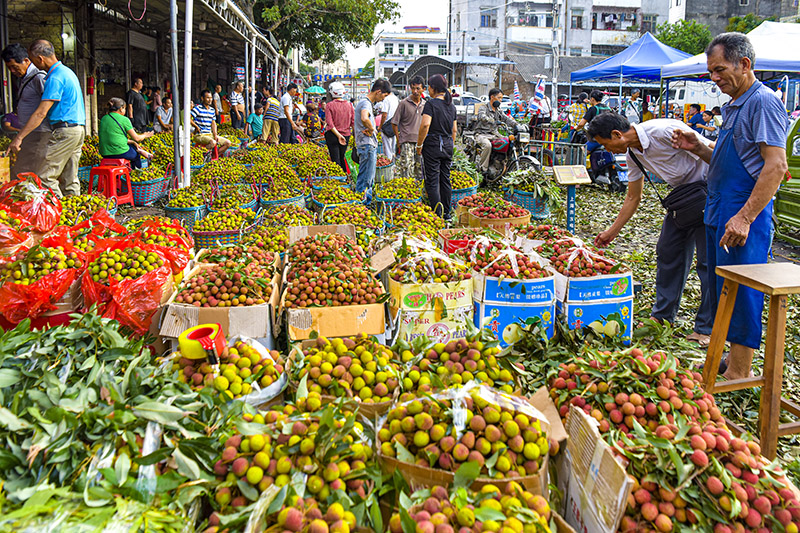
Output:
x,y
636,246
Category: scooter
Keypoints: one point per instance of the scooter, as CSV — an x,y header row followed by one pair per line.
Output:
x,y
508,154
608,169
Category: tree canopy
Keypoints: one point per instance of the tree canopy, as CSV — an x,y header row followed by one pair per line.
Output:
x,y
322,28
746,23
686,35
369,68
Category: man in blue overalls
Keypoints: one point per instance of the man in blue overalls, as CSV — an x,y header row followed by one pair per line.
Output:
x,y
745,170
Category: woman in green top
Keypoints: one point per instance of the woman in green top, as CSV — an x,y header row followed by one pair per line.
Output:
x,y
118,138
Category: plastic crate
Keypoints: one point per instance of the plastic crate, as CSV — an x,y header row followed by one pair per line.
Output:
x,y
538,207
147,192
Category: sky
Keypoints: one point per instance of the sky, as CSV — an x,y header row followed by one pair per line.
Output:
x,y
412,13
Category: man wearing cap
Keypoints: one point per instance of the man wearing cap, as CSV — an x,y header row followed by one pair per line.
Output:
x,y
62,104
746,167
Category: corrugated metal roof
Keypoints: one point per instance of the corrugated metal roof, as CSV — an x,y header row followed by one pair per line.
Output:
x,y
530,66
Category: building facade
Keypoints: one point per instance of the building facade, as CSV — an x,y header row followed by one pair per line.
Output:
x,y
340,68
583,27
717,13
396,51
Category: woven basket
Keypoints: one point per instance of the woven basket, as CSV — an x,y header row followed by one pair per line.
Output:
x,y
147,192
195,168
296,200
537,206
391,203
210,239
342,179
187,215
84,173
460,194
319,206
253,204
384,173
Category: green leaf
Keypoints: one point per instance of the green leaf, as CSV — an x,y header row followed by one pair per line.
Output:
x,y
403,454
11,421
482,514
186,466
277,503
409,525
159,412
466,474
121,468
302,387
9,377
247,490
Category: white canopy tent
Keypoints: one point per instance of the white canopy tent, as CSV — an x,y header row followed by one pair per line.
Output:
x,y
776,45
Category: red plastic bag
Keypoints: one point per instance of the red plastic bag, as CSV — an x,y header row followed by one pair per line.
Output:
x,y
12,240
178,255
62,237
31,201
101,222
18,301
131,301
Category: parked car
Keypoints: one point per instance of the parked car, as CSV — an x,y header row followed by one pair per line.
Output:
x,y
467,106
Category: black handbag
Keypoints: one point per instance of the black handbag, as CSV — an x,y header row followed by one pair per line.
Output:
x,y
685,204
386,129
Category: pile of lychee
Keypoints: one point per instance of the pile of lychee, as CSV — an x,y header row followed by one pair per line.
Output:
x,y
241,367
288,215
507,210
417,220
324,250
581,262
219,286
357,367
501,260
430,268
268,238
490,428
461,180
239,254
226,220
400,189
332,286
480,199
337,195
515,510
541,232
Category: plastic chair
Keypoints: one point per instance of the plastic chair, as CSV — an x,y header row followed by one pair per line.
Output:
x,y
106,162
113,182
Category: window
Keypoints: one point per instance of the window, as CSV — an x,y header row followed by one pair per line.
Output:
x,y
442,49
411,49
388,48
649,23
423,49
488,18
541,19
744,3
576,21
575,52
401,49
387,72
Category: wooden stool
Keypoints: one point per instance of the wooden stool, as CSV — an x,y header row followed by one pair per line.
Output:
x,y
777,280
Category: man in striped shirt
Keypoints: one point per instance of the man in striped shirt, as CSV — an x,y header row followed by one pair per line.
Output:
x,y
236,100
272,114
205,126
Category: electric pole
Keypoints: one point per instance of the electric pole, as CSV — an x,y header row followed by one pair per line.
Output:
x,y
554,92
463,65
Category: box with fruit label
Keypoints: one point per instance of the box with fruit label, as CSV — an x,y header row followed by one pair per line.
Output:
x,y
593,288
610,317
452,239
440,326
501,304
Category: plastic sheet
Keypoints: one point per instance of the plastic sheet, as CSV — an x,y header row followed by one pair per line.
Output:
x,y
32,202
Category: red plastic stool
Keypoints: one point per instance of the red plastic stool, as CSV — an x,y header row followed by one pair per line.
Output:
x,y
111,180
115,162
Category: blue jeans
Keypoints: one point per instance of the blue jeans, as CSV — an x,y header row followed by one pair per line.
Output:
x,y
131,154
368,158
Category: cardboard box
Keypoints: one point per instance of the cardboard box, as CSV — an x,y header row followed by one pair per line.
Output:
x,y
72,299
501,304
497,224
580,314
604,287
341,321
438,310
255,321
598,486
5,169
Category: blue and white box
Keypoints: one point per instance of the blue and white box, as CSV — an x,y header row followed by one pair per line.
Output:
x,y
501,304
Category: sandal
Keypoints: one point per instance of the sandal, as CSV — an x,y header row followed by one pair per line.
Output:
x,y
702,340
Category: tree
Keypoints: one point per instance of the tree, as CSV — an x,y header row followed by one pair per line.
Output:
x,y
322,28
369,69
307,69
746,23
686,35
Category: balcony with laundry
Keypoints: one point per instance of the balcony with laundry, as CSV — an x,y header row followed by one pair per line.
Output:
x,y
619,27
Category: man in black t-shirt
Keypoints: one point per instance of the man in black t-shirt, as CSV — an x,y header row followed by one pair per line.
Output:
x,y
137,108
596,107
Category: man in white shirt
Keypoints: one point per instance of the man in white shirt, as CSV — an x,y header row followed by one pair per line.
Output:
x,y
651,144
633,108
288,126
218,102
236,101
388,108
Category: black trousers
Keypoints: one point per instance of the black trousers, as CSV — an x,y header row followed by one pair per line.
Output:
x,y
336,150
675,250
436,159
287,133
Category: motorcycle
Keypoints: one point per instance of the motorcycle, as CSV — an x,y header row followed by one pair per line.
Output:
x,y
608,169
508,154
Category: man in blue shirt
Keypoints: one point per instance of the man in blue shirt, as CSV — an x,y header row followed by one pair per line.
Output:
x,y
205,126
695,117
746,167
62,104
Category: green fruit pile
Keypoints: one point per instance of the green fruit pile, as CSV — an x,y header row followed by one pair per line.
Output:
x,y
72,206
325,250
224,287
461,180
90,154
337,195
417,220
270,239
223,170
192,196
152,172
240,367
457,362
518,510
136,223
400,189
273,169
357,367
366,236
125,263
232,197
327,183
431,269
332,286
496,427
311,168
278,191
541,232
296,154
163,236
228,129
356,214
158,141
285,216
11,221
34,264
226,220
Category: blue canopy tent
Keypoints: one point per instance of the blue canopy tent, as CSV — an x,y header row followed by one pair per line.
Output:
x,y
641,61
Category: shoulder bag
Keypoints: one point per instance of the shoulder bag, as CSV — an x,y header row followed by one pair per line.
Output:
x,y
685,204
